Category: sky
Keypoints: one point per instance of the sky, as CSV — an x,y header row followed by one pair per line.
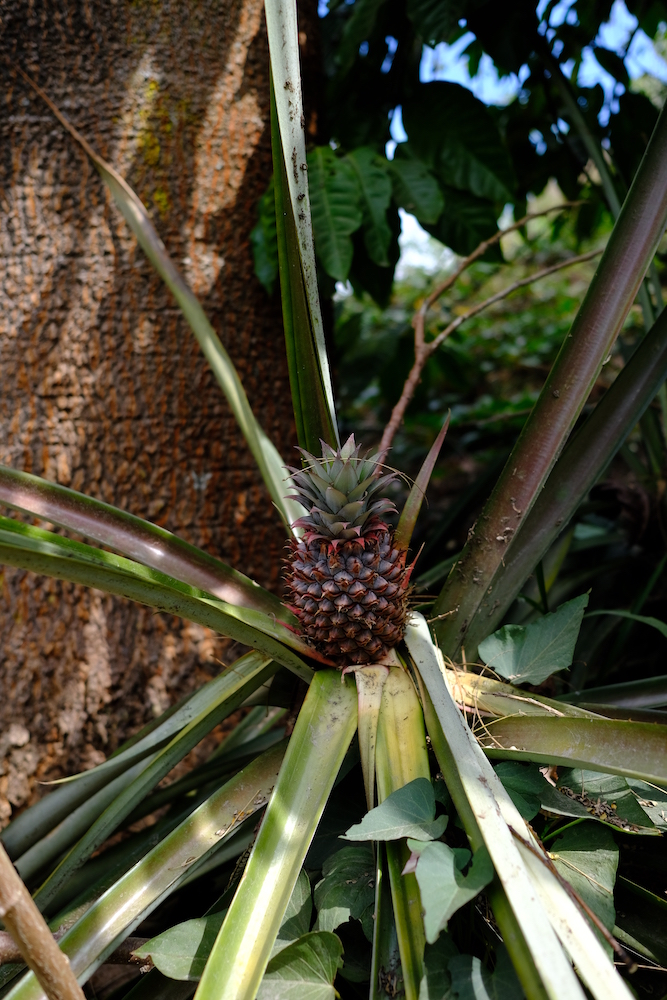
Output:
x,y
447,62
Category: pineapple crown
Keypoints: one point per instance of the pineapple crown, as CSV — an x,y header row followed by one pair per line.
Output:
x,y
340,492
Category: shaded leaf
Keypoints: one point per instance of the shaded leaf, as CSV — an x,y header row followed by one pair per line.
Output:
x,y
587,856
296,921
335,199
375,187
472,981
347,890
531,653
357,29
609,795
526,786
433,20
464,222
407,812
443,887
453,132
264,241
436,982
304,970
653,801
643,619
415,188
641,920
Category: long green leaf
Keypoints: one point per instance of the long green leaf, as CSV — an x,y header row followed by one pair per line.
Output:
x,y
628,254
482,791
122,907
133,537
282,29
633,749
583,461
401,757
134,212
410,513
324,729
315,419
251,670
117,575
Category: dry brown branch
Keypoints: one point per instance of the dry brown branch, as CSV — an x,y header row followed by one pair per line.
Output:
x,y
32,936
423,350
123,955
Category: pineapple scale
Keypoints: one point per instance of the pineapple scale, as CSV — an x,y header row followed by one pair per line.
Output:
x,y
350,597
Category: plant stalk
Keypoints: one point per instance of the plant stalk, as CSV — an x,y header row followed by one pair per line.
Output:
x,y
33,938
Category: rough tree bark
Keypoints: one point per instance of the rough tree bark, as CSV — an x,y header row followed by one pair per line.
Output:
x,y
102,386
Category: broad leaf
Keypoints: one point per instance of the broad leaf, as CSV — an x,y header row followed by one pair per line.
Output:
x,y
453,132
407,812
304,970
587,856
464,222
264,241
443,887
357,29
375,187
641,920
436,982
415,188
296,921
182,951
472,981
531,653
335,197
653,801
347,890
530,792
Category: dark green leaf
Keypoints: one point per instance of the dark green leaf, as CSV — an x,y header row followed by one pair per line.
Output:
x,y
653,622
304,970
472,981
436,982
454,134
465,221
407,812
357,29
527,785
610,796
613,64
641,920
264,241
375,187
529,654
587,856
347,890
296,921
335,196
443,887
415,188
433,20
653,801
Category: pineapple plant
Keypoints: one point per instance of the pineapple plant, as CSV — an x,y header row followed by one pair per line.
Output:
x,y
347,580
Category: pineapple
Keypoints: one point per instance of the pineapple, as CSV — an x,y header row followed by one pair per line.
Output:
x,y
347,582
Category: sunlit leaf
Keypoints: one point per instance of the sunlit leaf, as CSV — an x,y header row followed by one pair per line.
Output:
x,y
531,653
181,952
407,812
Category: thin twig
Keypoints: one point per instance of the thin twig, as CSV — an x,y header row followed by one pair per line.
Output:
x,y
546,860
32,936
423,350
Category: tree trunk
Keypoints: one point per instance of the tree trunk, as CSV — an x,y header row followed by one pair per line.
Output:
x,y
102,385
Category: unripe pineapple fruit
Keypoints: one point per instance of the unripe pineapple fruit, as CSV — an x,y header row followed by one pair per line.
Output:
x,y
347,582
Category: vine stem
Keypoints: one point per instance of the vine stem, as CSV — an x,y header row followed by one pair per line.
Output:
x,y
32,936
424,350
